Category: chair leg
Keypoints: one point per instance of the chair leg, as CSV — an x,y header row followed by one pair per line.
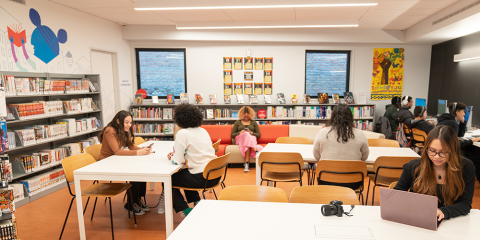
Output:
x,y
368,191
106,198
111,217
95,204
85,209
215,194
203,192
373,193
129,191
124,197
65,223
274,184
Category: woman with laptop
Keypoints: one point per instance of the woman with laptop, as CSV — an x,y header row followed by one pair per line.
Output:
x,y
441,171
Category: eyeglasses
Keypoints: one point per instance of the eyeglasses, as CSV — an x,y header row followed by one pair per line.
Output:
x,y
432,153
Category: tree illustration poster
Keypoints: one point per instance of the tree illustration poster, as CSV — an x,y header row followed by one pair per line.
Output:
x,y
387,75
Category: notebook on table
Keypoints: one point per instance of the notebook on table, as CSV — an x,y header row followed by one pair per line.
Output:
x,y
410,208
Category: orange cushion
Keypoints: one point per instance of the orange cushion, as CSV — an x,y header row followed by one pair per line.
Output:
x,y
223,132
270,133
221,150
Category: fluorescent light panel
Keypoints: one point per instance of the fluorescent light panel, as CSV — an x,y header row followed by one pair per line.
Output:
x,y
268,24
222,4
466,56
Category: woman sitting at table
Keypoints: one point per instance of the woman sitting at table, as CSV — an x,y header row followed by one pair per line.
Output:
x,y
246,131
341,141
193,150
420,113
441,171
116,136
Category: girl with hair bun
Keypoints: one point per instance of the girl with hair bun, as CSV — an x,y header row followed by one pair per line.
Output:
x,y
246,131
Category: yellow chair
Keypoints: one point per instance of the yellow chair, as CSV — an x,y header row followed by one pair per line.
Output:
x,y
139,140
280,167
382,143
216,144
408,132
323,194
419,136
94,151
253,193
338,171
216,168
293,140
387,170
97,190
392,186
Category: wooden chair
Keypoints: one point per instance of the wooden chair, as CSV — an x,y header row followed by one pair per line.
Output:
x,y
408,131
339,171
216,168
280,167
387,170
323,194
139,140
216,144
382,143
392,185
253,193
109,190
419,137
293,140
94,151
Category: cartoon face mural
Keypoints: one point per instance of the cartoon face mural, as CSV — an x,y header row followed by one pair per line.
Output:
x,y
45,43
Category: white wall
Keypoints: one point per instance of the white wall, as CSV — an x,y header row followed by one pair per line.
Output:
x,y
204,66
84,32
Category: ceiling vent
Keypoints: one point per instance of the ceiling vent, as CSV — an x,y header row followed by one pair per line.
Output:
x,y
457,12
24,2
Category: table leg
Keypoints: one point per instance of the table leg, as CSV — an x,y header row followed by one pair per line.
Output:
x,y
81,223
168,206
257,172
152,186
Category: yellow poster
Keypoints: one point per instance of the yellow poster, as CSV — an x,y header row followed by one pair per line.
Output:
x,y
387,75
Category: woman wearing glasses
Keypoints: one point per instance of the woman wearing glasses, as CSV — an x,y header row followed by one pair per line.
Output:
x,y
441,171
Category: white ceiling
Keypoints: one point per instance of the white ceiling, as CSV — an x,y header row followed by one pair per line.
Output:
x,y
388,14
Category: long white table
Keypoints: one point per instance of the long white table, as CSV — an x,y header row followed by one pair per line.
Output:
x,y
469,134
148,168
221,220
306,150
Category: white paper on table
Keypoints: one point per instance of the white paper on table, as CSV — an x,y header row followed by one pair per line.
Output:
x,y
362,98
343,232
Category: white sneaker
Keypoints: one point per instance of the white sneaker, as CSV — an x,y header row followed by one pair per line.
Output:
x,y
161,204
136,210
143,206
247,167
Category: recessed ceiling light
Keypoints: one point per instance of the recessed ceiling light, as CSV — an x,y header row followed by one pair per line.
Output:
x,y
216,4
269,24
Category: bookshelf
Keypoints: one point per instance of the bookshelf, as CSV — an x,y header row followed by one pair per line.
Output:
x,y
19,172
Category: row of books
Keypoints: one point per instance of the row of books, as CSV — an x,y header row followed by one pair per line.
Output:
x,y
154,112
8,229
80,105
37,109
36,86
153,128
80,146
75,126
43,181
34,161
364,125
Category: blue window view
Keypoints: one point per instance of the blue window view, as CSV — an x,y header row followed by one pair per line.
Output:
x,y
161,72
326,72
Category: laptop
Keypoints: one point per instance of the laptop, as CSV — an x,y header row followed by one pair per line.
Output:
x,y
410,208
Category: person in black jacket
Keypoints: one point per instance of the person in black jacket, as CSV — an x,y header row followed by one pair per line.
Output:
x,y
419,122
404,115
391,111
441,171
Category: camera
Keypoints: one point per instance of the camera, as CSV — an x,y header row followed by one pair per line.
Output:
x,y
334,208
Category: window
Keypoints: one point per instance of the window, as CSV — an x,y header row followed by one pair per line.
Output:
x,y
161,71
327,71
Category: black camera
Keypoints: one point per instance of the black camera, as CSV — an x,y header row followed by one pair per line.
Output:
x,y
334,208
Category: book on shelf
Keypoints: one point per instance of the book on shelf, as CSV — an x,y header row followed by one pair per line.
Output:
x,y
170,99
169,128
43,181
4,146
322,98
139,99
154,99
6,201
294,98
210,114
10,115
153,112
239,98
253,99
281,98
336,98
168,113
227,99
267,99
306,98
90,85
213,99
6,169
184,97
12,143
348,96
198,99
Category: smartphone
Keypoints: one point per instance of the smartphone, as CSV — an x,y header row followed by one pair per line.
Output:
x,y
246,129
150,146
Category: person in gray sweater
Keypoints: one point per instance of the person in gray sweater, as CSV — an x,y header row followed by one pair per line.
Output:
x,y
341,141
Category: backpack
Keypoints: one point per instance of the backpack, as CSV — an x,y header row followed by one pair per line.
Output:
x,y
383,126
401,138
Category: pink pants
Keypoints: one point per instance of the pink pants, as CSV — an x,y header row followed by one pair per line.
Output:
x,y
246,141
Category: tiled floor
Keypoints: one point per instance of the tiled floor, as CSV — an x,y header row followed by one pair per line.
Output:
x,y
43,218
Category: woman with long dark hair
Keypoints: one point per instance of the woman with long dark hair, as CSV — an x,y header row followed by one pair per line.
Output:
x,y
341,141
443,172
116,136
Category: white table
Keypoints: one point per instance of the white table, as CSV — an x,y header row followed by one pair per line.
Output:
x,y
221,220
306,150
148,168
469,134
